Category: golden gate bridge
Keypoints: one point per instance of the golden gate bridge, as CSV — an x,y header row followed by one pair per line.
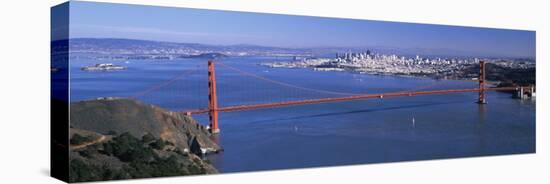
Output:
x,y
213,109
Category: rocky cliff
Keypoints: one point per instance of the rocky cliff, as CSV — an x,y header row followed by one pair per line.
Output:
x,y
123,138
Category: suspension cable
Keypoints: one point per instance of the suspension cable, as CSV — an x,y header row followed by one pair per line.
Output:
x,y
161,85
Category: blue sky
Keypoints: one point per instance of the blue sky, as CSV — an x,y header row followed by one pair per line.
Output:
x,y
102,20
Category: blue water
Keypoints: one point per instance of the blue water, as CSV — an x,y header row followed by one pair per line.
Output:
x,y
356,132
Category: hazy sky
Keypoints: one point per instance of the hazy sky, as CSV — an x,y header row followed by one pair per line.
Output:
x,y
100,20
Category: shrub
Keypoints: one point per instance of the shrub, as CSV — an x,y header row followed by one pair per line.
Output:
x,y
147,138
88,152
128,148
140,161
159,144
81,171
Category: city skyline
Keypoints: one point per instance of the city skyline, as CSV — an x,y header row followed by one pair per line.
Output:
x,y
234,28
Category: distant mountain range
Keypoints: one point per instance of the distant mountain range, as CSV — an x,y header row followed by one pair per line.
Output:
x,y
132,46
129,46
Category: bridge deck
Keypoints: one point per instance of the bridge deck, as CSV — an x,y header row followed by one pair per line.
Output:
x,y
347,98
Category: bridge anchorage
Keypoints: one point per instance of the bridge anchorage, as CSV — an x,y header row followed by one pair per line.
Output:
x,y
214,109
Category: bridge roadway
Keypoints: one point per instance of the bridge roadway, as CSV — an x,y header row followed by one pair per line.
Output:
x,y
346,98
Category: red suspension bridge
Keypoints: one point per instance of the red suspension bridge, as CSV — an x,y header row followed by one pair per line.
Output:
x,y
214,108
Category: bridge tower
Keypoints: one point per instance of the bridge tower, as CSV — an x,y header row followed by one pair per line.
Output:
x,y
482,99
212,98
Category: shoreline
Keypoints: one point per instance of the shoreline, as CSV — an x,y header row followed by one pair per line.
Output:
x,y
380,74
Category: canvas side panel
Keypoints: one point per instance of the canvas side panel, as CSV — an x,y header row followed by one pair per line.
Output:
x,y
59,90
